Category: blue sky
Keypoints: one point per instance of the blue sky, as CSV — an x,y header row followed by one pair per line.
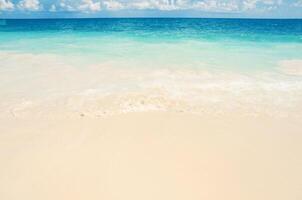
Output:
x,y
151,8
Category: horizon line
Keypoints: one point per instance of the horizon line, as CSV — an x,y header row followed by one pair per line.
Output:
x,y
151,17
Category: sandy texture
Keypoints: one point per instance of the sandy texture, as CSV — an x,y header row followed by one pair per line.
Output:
x,y
291,67
147,155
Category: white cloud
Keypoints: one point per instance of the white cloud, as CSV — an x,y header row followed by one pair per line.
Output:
x,y
113,5
165,5
264,4
212,5
6,5
148,4
160,4
206,5
140,5
66,6
89,6
298,3
249,4
30,5
77,6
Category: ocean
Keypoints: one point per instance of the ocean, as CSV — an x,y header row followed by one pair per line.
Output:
x,y
138,64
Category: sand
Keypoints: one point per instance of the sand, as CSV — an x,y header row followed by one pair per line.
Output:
x,y
291,67
151,155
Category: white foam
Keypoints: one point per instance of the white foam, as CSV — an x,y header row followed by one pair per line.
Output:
x,y
51,82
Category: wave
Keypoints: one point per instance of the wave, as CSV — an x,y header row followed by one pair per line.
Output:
x,y
44,84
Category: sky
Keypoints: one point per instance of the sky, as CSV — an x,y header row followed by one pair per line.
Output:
x,y
151,8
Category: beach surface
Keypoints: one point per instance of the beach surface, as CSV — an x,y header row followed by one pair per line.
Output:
x,y
150,109
151,155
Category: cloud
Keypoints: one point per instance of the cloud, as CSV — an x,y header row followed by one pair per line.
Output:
x,y
205,5
113,5
85,6
65,6
153,4
298,3
249,4
89,6
210,5
263,4
6,5
30,5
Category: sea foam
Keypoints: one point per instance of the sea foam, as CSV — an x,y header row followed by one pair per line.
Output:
x,y
44,83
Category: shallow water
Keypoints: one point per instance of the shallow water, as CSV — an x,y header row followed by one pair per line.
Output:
x,y
194,65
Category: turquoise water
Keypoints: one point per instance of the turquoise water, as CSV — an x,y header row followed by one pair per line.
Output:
x,y
194,65
225,44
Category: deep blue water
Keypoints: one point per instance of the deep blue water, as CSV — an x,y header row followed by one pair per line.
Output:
x,y
249,29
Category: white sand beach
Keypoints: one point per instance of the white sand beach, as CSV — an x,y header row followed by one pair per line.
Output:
x,y
150,109
151,155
